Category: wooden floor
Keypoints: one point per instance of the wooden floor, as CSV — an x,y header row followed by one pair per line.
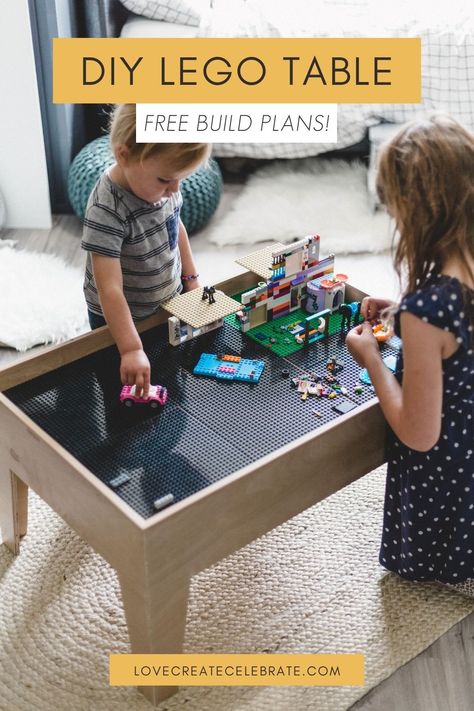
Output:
x,y
439,679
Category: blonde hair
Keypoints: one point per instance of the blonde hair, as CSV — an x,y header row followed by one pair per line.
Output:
x,y
426,180
122,125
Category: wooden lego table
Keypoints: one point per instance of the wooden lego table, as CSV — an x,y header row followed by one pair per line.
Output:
x,y
155,557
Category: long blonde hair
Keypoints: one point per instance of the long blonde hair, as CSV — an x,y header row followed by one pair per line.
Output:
x,y
426,180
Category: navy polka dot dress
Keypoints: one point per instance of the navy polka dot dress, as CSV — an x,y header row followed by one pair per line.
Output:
x,y
428,527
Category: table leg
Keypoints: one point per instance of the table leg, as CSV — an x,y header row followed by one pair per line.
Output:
x,y
13,509
155,611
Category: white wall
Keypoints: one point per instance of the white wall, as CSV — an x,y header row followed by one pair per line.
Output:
x,y
23,173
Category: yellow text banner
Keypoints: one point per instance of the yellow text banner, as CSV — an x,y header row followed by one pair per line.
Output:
x,y
236,670
237,70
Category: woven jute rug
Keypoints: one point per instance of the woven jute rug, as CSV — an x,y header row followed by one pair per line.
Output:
x,y
311,585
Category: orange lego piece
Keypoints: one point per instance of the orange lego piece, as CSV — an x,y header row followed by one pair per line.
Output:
x,y
382,332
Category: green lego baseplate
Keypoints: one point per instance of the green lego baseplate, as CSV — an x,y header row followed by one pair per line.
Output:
x,y
273,330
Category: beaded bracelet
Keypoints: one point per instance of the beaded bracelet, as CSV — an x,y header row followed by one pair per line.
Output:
x,y
189,277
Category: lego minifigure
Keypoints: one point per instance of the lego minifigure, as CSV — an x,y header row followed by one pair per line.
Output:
x,y
334,366
346,313
349,312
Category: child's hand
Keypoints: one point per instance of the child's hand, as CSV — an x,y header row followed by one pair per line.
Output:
x,y
135,370
362,344
371,308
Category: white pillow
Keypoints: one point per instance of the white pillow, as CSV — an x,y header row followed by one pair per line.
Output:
x,y
184,12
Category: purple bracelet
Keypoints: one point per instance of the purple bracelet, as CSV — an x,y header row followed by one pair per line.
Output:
x,y
189,277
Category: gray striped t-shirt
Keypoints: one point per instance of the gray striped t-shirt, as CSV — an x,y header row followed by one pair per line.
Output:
x,y
144,236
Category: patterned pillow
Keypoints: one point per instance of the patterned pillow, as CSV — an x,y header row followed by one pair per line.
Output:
x,y
183,12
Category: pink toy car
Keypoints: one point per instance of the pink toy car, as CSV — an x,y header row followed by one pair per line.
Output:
x,y
157,395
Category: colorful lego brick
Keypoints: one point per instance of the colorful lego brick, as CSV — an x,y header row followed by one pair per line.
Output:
x,y
390,362
246,370
382,332
226,369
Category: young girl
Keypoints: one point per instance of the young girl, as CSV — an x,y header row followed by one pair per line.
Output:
x,y
426,180
138,250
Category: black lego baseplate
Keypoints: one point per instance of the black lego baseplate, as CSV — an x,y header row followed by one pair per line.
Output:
x,y
208,428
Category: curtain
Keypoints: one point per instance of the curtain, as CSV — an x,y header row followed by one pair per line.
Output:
x,y
68,127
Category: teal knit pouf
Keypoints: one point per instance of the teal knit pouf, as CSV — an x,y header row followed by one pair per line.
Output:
x,y
85,170
201,191
201,195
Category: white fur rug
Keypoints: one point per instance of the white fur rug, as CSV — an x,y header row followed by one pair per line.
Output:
x,y
41,299
289,199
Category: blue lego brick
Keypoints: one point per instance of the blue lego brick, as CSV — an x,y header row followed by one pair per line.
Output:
x,y
389,360
246,371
